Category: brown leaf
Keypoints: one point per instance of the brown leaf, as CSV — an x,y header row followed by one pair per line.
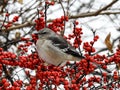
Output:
x,y
20,1
17,35
108,43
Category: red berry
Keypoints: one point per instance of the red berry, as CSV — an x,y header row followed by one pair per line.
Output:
x,y
7,14
4,80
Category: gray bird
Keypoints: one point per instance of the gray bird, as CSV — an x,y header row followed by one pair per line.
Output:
x,y
54,49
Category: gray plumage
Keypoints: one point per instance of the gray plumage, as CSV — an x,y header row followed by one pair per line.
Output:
x,y
54,49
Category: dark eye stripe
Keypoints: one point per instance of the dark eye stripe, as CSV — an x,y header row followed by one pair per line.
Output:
x,y
42,32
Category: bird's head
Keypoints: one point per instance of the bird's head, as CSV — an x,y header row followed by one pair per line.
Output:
x,y
45,33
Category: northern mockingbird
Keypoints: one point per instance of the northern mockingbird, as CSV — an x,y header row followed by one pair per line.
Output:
x,y
54,49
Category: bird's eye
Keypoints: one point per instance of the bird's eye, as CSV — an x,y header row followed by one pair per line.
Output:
x,y
43,32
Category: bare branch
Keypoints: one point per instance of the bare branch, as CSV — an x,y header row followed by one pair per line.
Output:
x,y
20,26
82,15
106,7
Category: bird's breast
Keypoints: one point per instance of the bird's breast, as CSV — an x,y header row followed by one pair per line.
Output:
x,y
49,53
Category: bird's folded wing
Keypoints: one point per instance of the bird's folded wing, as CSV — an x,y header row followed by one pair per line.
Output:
x,y
61,43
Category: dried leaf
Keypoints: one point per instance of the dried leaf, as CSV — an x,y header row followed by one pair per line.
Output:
x,y
17,35
118,66
20,1
108,43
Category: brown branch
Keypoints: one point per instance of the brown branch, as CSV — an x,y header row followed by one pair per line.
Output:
x,y
106,7
20,26
94,13
82,15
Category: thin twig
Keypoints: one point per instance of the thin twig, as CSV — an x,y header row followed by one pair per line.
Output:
x,y
46,7
8,76
62,32
82,15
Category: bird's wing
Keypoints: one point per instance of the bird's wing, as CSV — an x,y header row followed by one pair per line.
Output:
x,y
61,43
